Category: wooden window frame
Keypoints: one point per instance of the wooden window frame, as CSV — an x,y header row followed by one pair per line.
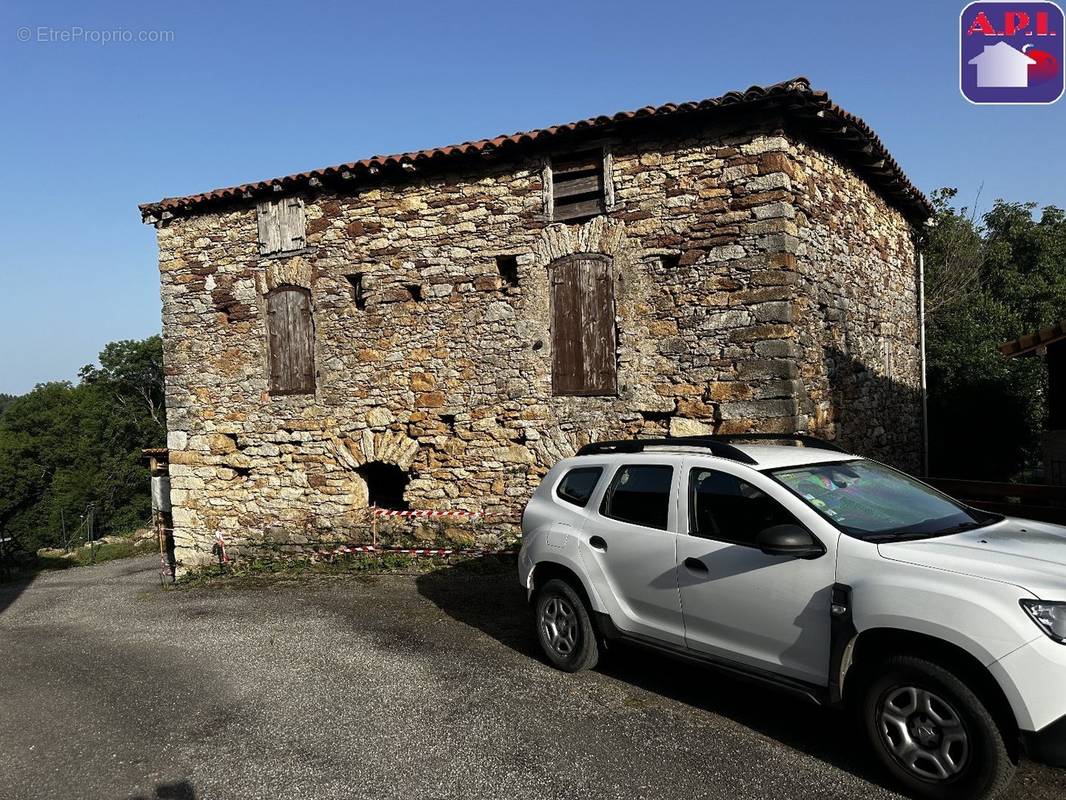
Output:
x,y
272,349
591,170
609,389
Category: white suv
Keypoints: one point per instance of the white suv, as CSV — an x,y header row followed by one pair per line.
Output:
x,y
824,574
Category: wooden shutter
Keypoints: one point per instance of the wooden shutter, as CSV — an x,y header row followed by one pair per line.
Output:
x,y
293,223
282,225
269,228
292,341
584,343
577,186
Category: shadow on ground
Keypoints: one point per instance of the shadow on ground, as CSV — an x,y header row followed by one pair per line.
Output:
x,y
494,603
178,790
10,589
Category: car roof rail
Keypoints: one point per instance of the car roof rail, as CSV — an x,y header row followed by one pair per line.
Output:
x,y
717,447
805,439
718,444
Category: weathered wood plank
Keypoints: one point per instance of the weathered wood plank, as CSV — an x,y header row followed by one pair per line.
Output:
x,y
584,340
269,230
566,335
291,339
282,225
575,186
585,208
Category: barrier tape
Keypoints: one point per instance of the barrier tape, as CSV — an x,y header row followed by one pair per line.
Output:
x,y
414,551
385,512
220,544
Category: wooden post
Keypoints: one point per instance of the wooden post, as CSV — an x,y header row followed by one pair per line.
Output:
x,y
374,526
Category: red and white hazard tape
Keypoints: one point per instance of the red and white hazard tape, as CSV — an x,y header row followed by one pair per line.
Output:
x,y
220,544
413,551
385,512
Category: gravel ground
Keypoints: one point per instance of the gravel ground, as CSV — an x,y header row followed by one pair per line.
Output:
x,y
387,687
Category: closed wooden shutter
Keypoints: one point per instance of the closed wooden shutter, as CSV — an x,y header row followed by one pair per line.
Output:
x,y
292,341
293,223
578,186
584,343
282,225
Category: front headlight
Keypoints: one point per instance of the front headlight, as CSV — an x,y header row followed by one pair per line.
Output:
x,y
1051,617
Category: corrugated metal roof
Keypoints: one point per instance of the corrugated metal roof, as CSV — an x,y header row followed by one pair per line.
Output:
x,y
842,133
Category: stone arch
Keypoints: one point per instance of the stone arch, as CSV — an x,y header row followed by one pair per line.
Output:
x,y
389,447
599,235
295,271
376,464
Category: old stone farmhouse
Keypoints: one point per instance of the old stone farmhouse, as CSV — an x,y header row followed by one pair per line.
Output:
x,y
434,330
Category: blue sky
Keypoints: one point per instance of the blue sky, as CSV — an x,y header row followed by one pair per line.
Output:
x,y
250,90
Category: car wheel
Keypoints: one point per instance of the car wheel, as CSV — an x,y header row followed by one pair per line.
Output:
x,y
564,628
933,733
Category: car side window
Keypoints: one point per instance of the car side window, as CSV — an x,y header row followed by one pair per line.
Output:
x,y
578,484
729,509
640,494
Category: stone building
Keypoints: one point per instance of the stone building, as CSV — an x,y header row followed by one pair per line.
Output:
x,y
434,330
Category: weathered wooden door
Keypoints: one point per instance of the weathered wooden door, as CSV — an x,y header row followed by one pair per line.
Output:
x,y
584,338
292,341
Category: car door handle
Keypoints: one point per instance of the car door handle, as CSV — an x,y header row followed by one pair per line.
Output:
x,y
696,565
597,543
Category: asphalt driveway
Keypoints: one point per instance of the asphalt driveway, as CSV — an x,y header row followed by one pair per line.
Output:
x,y
389,687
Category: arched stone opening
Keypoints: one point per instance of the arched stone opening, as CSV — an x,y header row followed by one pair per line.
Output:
x,y
386,484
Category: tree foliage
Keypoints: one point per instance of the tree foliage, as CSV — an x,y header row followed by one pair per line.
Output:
x,y
987,282
64,447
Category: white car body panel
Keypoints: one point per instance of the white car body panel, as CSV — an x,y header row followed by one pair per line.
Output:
x,y
1016,551
779,606
772,612
1031,678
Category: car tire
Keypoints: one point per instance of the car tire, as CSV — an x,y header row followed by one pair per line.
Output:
x,y
932,733
564,628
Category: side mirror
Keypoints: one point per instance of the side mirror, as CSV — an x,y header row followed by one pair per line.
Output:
x,y
788,540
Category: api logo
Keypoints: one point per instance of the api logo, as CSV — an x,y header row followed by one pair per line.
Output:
x,y
1011,52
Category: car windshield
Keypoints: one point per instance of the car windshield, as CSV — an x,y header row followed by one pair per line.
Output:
x,y
874,502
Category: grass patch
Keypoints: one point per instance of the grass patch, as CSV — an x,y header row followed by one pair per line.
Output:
x,y
256,572
82,557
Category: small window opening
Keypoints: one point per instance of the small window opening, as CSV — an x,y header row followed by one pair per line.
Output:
x,y
508,268
358,290
415,291
658,417
386,484
449,420
578,188
670,261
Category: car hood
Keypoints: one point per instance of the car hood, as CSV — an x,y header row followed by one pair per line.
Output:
x,y
1031,555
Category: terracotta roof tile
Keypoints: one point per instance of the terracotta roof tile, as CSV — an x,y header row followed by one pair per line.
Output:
x,y
841,132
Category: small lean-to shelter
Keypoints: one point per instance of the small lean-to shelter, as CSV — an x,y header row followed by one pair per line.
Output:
x,y
1050,344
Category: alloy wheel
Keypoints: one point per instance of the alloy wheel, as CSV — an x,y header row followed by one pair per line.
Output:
x,y
559,624
923,732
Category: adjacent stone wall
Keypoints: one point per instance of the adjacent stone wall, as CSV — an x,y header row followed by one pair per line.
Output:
x,y
735,254
858,331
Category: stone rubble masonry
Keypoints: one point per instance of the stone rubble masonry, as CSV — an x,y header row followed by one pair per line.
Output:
x,y
760,286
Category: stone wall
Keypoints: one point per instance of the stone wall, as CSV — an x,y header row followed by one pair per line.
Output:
x,y
735,255
858,331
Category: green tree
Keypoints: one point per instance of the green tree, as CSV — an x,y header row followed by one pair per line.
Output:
x,y
988,282
64,447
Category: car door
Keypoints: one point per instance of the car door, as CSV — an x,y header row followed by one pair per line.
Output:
x,y
628,547
768,612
